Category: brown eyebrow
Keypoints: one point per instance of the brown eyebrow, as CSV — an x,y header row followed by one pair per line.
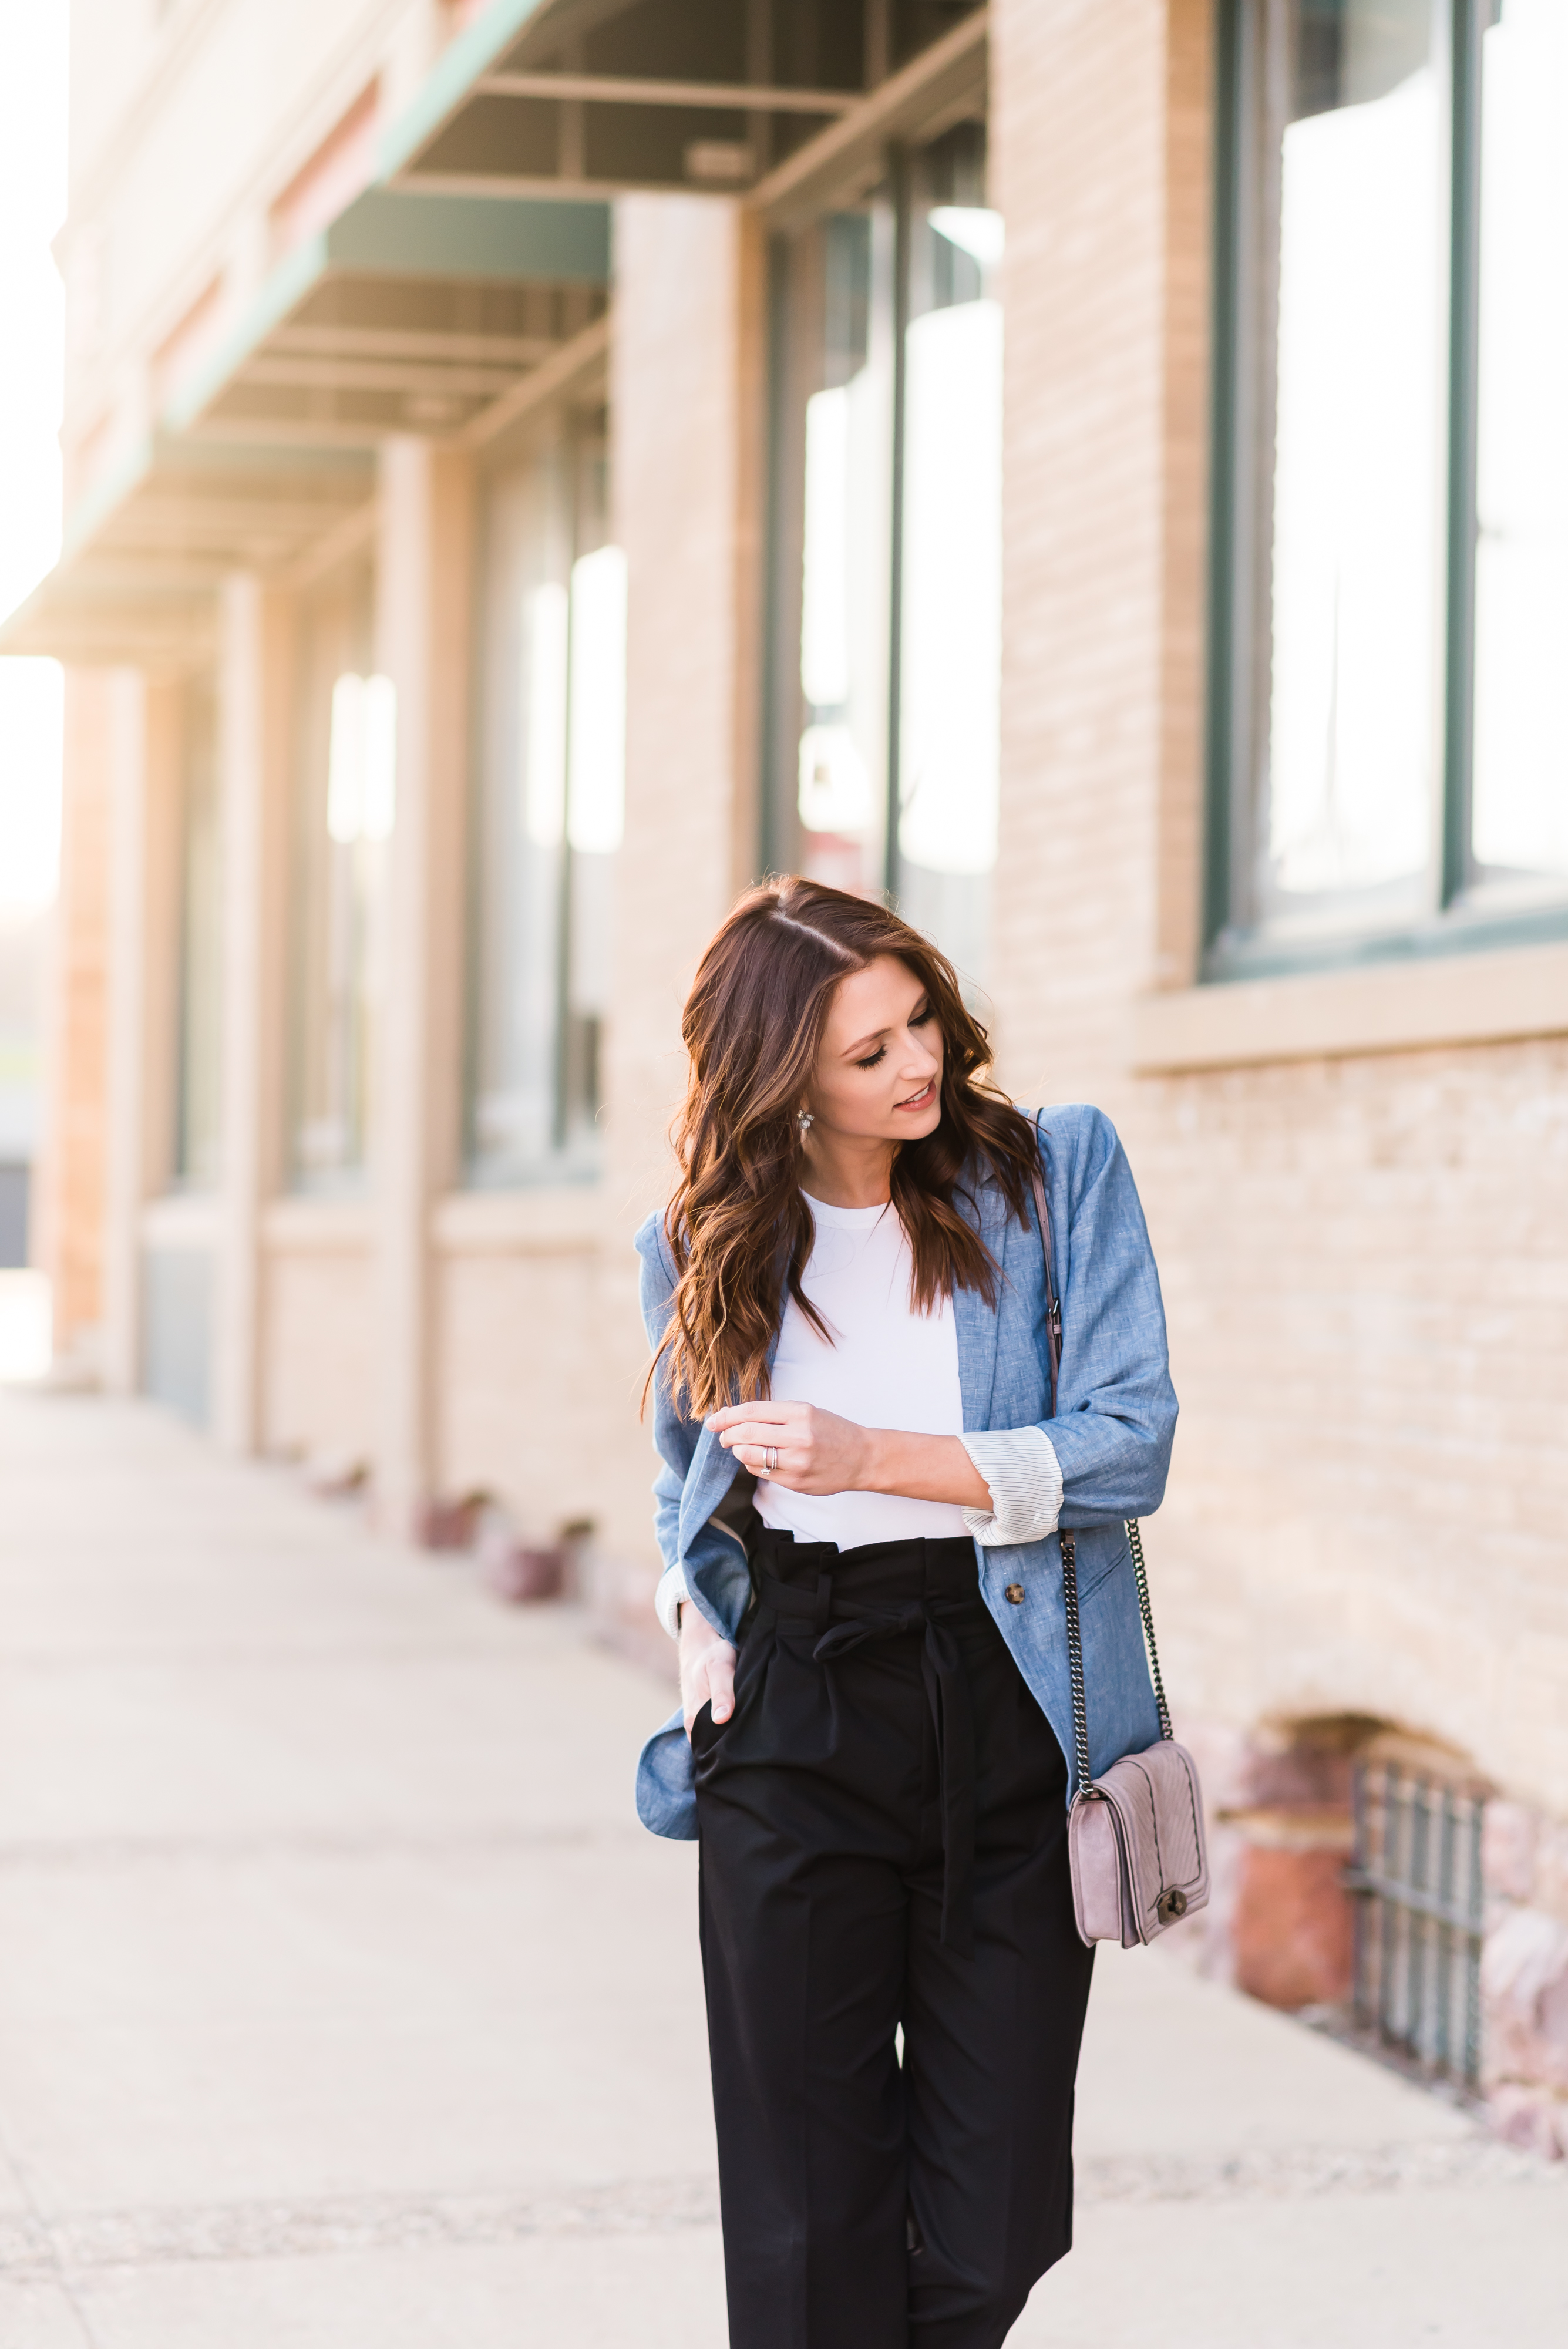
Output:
x,y
850,1051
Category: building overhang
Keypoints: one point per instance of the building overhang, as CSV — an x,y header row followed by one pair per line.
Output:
x,y
472,284
146,551
411,312
596,97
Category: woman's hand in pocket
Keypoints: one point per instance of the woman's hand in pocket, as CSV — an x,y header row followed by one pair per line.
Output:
x,y
707,1668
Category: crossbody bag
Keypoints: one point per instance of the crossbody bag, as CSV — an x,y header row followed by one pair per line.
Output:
x,y
1135,1836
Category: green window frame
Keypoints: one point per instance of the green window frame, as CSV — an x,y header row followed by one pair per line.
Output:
x,y
1456,900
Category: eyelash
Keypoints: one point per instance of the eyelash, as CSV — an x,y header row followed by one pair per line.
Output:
x,y
920,1020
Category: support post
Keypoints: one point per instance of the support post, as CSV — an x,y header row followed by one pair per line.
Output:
x,y
252,693
124,742
423,595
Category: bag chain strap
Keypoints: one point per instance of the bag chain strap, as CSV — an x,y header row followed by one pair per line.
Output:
x,y
1135,1543
1069,1543
1076,1662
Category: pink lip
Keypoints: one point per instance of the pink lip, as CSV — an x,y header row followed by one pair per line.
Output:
x,y
921,1100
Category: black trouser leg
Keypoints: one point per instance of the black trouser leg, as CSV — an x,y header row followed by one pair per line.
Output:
x,y
804,1974
990,2053
822,1879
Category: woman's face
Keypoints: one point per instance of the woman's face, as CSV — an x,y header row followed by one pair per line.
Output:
x,y
879,1069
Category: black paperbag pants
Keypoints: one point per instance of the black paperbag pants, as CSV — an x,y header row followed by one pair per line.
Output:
x,y
883,1843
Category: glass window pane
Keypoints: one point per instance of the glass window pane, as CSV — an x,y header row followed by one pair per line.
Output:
x,y
550,785
344,805
198,1041
1350,233
951,605
845,570
1520,776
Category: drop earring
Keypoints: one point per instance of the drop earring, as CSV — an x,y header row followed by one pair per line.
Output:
x,y
804,1123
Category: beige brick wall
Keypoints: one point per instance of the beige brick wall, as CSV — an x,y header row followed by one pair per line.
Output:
x,y
676,466
521,1395
318,1387
1078,116
1366,1260
1367,1268
69,1196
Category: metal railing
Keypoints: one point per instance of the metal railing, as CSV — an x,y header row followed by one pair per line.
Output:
x,y
1415,1878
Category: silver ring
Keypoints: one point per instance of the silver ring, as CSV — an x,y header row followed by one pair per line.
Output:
x,y
770,1460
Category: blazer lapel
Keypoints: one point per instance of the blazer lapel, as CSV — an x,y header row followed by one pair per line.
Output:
x,y
712,1472
975,1320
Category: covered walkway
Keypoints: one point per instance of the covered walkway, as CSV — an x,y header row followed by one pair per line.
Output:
x,y
343,2005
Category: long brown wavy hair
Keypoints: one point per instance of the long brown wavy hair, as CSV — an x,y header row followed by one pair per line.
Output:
x,y
739,1229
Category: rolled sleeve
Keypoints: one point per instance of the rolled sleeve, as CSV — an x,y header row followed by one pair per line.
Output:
x,y
668,1597
1020,1468
1116,1414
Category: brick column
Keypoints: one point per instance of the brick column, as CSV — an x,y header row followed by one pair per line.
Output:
x,y
685,398
423,593
120,741
1100,166
686,407
253,702
69,1180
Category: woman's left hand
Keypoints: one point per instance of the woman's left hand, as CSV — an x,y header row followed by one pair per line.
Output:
x,y
817,1451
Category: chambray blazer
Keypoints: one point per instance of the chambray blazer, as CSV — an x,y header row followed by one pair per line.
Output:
x,y
1115,1416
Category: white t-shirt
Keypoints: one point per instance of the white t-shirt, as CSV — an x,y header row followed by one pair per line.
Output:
x,y
888,1367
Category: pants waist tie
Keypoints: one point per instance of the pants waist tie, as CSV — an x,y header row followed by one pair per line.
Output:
x,y
947,1692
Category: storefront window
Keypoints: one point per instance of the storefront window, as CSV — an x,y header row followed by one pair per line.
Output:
x,y
198,1042
1358,391
548,810
1521,782
1348,219
949,666
344,811
1388,714
840,764
885,647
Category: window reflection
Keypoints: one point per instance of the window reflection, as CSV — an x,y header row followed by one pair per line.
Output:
x,y
1353,138
951,620
845,563
1521,775
345,807
891,475
548,814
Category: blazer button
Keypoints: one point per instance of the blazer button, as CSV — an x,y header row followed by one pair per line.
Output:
x,y
1015,1593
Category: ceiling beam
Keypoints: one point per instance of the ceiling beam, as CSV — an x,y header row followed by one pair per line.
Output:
x,y
350,536
285,372
410,343
726,97
501,184
571,364
849,155
214,430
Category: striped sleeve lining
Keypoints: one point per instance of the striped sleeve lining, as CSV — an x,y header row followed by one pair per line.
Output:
x,y
1020,1468
672,1590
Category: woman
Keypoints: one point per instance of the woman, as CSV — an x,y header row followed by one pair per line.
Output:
x,y
857,1507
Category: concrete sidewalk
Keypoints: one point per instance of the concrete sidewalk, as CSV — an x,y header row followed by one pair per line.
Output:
x,y
343,2005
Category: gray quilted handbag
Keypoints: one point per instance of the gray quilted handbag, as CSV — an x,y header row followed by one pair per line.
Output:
x,y
1135,1836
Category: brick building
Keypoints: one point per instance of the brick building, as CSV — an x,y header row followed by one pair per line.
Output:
x,y
533,466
